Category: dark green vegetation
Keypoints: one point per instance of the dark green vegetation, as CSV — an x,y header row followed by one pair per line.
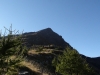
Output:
x,y
11,54
71,63
46,55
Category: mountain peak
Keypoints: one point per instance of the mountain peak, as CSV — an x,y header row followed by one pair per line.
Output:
x,y
45,37
46,30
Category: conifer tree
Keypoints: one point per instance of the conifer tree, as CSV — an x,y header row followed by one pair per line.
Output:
x,y
71,63
11,54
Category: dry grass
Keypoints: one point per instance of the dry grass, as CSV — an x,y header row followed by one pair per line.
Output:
x,y
30,66
43,51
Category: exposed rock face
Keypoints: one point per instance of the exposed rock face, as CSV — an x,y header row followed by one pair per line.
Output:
x,y
44,37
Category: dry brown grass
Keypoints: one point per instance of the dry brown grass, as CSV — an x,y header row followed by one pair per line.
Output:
x,y
31,66
43,51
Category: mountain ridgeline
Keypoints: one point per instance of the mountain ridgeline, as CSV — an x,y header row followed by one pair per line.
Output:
x,y
49,37
44,37
42,47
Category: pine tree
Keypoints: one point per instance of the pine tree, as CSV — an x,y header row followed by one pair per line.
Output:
x,y
71,63
11,54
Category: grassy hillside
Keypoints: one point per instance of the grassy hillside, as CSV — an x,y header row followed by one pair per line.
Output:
x,y
41,61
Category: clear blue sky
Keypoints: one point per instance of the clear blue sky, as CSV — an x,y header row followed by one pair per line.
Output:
x,y
78,21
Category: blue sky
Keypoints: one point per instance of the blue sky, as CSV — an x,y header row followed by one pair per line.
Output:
x,y
78,21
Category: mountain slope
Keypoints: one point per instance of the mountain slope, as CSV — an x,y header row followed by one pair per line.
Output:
x,y
47,37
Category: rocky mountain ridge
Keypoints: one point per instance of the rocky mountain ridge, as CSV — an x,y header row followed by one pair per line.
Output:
x,y
49,37
44,37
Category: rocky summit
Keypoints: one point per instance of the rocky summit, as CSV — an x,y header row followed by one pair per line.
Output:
x,y
44,37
